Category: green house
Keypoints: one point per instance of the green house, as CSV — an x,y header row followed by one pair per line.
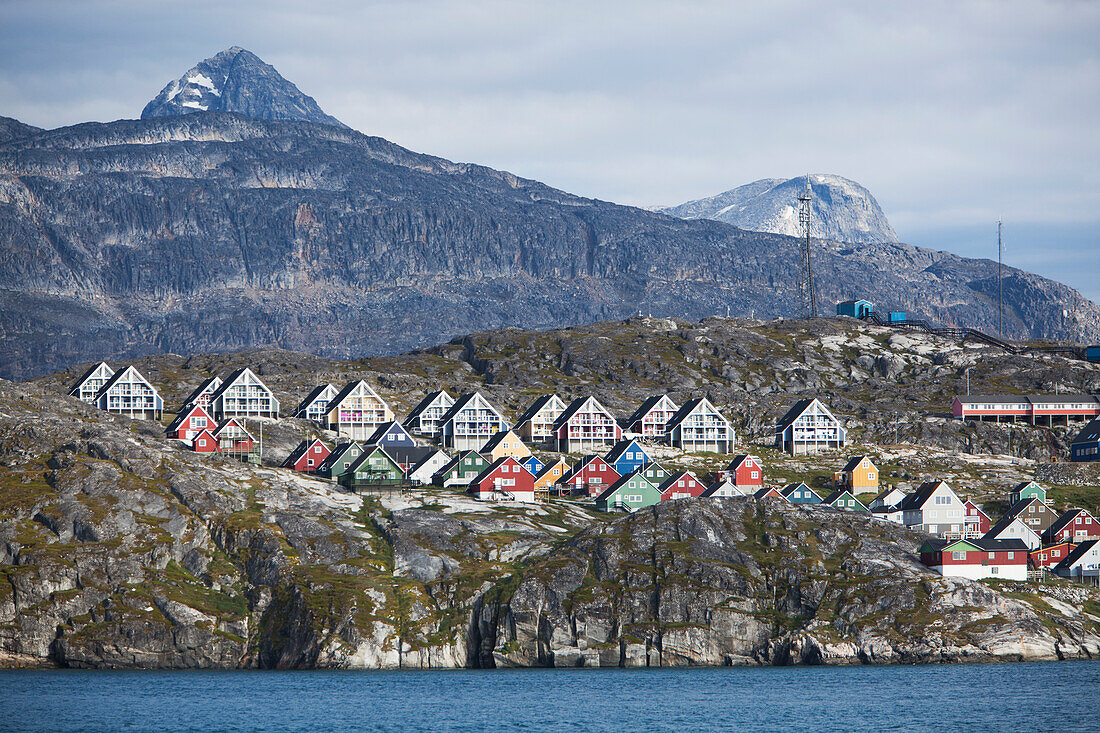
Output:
x,y
845,500
1028,490
655,474
339,461
461,470
631,493
374,469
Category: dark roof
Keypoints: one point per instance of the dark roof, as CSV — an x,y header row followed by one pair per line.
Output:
x,y
644,408
619,448
191,398
917,498
1013,512
852,464
839,493
461,402
530,412
490,468
369,451
1076,553
343,393
764,491
993,398
1023,485
227,383
1089,434
1061,522
584,461
309,399
406,454
494,440
793,413
88,374
299,451
381,431
183,415
337,453
619,483
736,462
574,406
225,423
427,456
451,464
988,545
424,404
687,408
667,483
549,466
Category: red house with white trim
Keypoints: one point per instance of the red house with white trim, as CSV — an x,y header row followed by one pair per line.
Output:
x,y
975,522
977,558
189,423
585,425
1074,525
744,471
1049,556
591,476
681,485
307,456
205,442
504,479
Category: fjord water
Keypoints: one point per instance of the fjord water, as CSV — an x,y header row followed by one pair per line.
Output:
x,y
1062,696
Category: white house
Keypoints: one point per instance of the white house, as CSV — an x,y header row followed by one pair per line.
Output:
x,y
698,426
424,418
1013,527
889,497
88,386
357,411
315,406
536,424
129,393
243,394
934,508
1082,563
422,472
809,427
470,422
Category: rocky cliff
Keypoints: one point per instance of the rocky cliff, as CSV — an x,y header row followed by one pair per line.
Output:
x,y
840,208
118,550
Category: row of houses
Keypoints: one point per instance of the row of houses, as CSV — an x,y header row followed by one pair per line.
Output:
x,y
466,423
1035,409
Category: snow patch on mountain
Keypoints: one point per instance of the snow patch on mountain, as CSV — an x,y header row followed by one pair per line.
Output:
x,y
841,209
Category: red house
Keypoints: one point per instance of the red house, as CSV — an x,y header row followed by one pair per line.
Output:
x,y
769,493
233,438
681,485
976,522
1074,525
307,456
591,476
1048,557
205,442
505,478
744,471
188,423
974,559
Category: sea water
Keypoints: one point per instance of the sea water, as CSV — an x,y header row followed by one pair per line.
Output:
x,y
1017,698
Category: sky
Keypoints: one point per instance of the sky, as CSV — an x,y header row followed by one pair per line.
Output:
x,y
953,114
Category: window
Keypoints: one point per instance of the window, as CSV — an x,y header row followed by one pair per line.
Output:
x,y
309,462
202,442
1011,555
958,555
992,555
756,474
317,449
994,570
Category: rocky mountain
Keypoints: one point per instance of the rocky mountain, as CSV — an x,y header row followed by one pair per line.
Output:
x,y
118,550
213,231
14,129
841,209
236,80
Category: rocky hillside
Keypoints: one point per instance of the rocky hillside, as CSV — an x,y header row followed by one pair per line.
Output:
x,y
212,231
840,209
236,80
117,550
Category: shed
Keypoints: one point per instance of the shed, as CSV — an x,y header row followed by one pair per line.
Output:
x,y
855,308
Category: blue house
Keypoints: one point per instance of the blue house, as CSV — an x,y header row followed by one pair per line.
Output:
x,y
391,434
854,308
627,455
1086,446
533,465
800,493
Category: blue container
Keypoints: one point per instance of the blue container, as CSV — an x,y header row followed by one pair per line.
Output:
x,y
897,317
854,308
1092,353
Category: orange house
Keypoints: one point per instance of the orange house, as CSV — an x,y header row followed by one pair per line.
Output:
x,y
860,475
550,475
504,444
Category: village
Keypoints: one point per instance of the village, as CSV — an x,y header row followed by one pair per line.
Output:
x,y
580,452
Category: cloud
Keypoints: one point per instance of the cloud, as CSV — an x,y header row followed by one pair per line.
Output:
x,y
951,113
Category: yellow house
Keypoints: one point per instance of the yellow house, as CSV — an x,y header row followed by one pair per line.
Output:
x,y
550,474
860,475
505,444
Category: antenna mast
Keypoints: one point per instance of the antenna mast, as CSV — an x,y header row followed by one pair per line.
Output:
x,y
807,288
1000,284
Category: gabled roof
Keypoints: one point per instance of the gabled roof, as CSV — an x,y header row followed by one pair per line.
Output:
x,y
488,470
583,463
453,463
338,453
853,464
203,386
983,544
1076,554
1089,434
1066,517
917,499
574,408
237,374
620,447
536,406
1009,517
646,406
300,450
348,389
689,407
738,460
1017,508
610,490
669,482
424,404
312,397
463,400
832,498
789,489
117,376
496,438
185,413
88,375
765,490
796,411
369,451
886,492
407,454
384,429
550,467
432,453
233,421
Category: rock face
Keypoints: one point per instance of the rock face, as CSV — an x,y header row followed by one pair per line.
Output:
x,y
236,80
736,581
119,550
841,209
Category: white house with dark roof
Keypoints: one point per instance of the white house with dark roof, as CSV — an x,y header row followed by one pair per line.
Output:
x,y
470,422
698,427
1082,563
315,405
934,508
424,418
243,394
1012,527
128,393
88,386
809,427
202,394
357,411
536,424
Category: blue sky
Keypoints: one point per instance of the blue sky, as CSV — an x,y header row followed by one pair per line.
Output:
x,y
953,114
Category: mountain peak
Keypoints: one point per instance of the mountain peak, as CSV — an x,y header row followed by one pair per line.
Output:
x,y
841,209
236,80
